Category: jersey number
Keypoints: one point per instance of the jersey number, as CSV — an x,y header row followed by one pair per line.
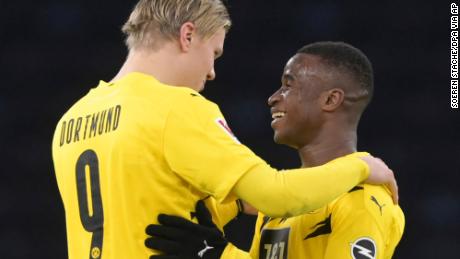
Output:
x,y
273,243
274,251
91,213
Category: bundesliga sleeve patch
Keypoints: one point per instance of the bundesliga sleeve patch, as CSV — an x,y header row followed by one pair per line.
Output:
x,y
364,248
223,125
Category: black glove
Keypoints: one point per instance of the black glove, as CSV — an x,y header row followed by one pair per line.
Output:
x,y
179,238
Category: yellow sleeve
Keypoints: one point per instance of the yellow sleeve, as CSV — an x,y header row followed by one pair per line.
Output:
x,y
222,213
200,148
232,252
295,192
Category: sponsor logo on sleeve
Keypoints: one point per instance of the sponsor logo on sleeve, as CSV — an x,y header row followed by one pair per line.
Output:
x,y
364,248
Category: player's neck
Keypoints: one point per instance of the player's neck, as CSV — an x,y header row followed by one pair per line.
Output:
x,y
326,149
154,63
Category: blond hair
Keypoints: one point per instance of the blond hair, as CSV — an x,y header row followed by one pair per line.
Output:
x,y
154,21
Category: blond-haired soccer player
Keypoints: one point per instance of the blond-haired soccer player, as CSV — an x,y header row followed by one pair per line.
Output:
x,y
325,88
147,142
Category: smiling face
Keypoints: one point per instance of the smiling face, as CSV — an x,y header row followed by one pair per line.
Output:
x,y
296,111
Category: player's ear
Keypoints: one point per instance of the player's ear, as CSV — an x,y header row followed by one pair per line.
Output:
x,y
187,32
332,99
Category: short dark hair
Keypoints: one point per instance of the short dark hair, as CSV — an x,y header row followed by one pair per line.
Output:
x,y
345,58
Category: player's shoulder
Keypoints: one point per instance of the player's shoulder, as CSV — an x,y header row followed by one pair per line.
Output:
x,y
139,83
190,103
379,204
370,201
190,98
180,99
77,107
366,197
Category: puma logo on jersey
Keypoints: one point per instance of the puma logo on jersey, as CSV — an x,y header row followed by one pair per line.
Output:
x,y
378,204
205,249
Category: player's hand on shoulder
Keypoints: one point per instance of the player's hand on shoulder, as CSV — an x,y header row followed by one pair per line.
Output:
x,y
379,173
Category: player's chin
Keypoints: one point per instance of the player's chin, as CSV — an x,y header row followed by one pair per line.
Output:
x,y
283,137
276,131
277,137
200,88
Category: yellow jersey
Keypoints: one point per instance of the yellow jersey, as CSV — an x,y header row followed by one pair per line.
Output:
x,y
361,224
135,148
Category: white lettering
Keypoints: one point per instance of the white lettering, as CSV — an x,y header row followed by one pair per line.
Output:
x,y
454,94
453,8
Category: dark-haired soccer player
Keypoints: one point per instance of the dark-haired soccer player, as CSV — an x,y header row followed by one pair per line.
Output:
x,y
325,88
148,142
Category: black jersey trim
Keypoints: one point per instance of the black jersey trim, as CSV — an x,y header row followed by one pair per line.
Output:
x,y
356,188
323,228
265,220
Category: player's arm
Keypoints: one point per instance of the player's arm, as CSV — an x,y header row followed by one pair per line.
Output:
x,y
199,147
295,192
222,213
177,237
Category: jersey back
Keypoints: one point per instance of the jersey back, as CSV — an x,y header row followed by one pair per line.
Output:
x,y
135,148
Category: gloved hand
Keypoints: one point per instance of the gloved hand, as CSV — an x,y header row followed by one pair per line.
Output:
x,y
179,238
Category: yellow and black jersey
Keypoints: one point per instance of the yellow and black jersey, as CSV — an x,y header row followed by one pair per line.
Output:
x,y
362,224
132,149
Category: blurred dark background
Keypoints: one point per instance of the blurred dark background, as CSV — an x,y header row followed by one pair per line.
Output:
x,y
53,52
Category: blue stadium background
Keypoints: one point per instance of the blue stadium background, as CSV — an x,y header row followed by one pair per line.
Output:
x,y
52,52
